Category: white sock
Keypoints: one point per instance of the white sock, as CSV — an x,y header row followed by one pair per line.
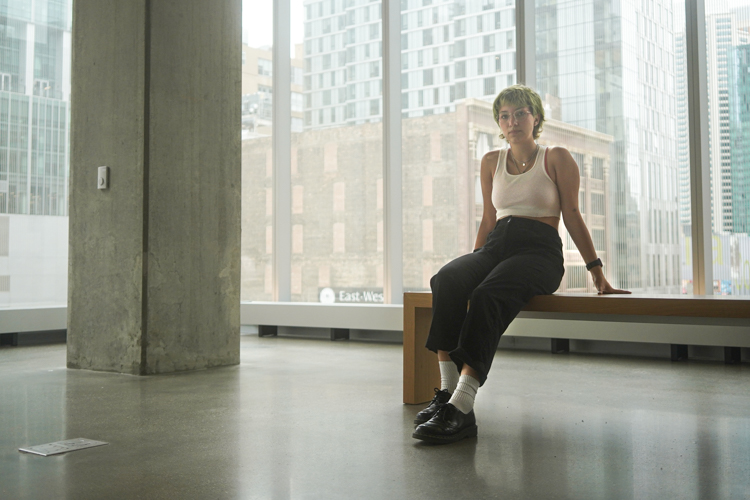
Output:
x,y
466,391
448,376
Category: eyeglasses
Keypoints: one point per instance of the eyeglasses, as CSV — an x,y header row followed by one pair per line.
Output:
x,y
517,116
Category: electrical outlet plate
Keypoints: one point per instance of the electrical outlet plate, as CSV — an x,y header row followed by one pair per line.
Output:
x,y
103,178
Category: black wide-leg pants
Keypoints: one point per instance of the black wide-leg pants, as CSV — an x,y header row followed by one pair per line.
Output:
x,y
521,258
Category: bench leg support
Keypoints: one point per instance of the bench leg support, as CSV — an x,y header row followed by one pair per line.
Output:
x,y
421,369
732,355
679,352
268,331
559,346
339,334
9,339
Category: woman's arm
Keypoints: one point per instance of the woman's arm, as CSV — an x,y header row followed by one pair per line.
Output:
x,y
568,181
489,214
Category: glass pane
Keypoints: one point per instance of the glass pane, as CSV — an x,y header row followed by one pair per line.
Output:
x,y
613,85
34,164
455,57
337,150
728,54
257,159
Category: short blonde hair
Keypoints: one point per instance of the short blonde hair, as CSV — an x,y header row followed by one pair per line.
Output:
x,y
520,95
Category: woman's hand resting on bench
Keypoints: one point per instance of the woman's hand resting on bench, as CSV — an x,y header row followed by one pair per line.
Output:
x,y
602,285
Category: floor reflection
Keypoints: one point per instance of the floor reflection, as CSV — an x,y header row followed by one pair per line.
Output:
x,y
313,419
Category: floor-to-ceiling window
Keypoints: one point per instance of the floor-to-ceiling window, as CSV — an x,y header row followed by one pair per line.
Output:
x,y
455,58
35,51
257,150
337,152
613,78
728,62
334,149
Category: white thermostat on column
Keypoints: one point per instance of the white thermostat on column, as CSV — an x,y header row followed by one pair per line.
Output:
x,y
103,180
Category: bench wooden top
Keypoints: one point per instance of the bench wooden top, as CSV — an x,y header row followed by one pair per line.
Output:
x,y
695,306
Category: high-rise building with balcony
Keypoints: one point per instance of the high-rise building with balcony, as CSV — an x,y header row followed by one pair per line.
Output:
x,y
449,51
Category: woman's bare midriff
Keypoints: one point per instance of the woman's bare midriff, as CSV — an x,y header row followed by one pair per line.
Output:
x,y
550,221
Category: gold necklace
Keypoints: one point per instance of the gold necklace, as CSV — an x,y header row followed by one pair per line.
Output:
x,y
523,162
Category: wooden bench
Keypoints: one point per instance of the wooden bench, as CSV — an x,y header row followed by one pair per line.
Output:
x,y
732,314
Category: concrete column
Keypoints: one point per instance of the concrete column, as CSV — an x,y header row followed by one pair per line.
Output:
x,y
154,264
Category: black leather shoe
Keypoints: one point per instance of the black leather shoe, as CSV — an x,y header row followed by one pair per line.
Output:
x,y
448,425
441,397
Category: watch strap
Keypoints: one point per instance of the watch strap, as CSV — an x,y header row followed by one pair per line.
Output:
x,y
593,264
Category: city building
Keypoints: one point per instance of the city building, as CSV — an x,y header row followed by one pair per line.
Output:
x,y
613,71
681,123
739,110
35,50
449,51
723,33
727,36
456,50
257,90
337,205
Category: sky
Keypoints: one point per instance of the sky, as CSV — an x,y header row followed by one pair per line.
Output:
x,y
256,22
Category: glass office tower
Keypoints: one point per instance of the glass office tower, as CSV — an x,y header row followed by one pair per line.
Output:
x,y
727,39
611,67
35,50
739,112
34,106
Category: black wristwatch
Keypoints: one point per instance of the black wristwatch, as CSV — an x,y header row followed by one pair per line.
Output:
x,y
591,265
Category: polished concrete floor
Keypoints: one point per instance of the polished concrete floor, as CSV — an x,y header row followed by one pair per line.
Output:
x,y
316,419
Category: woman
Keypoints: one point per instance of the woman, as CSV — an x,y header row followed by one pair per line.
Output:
x,y
518,254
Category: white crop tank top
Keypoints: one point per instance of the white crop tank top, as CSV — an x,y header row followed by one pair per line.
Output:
x,y
531,194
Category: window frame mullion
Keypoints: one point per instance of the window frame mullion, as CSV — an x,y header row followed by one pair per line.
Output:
x,y
392,203
281,130
526,42
700,180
